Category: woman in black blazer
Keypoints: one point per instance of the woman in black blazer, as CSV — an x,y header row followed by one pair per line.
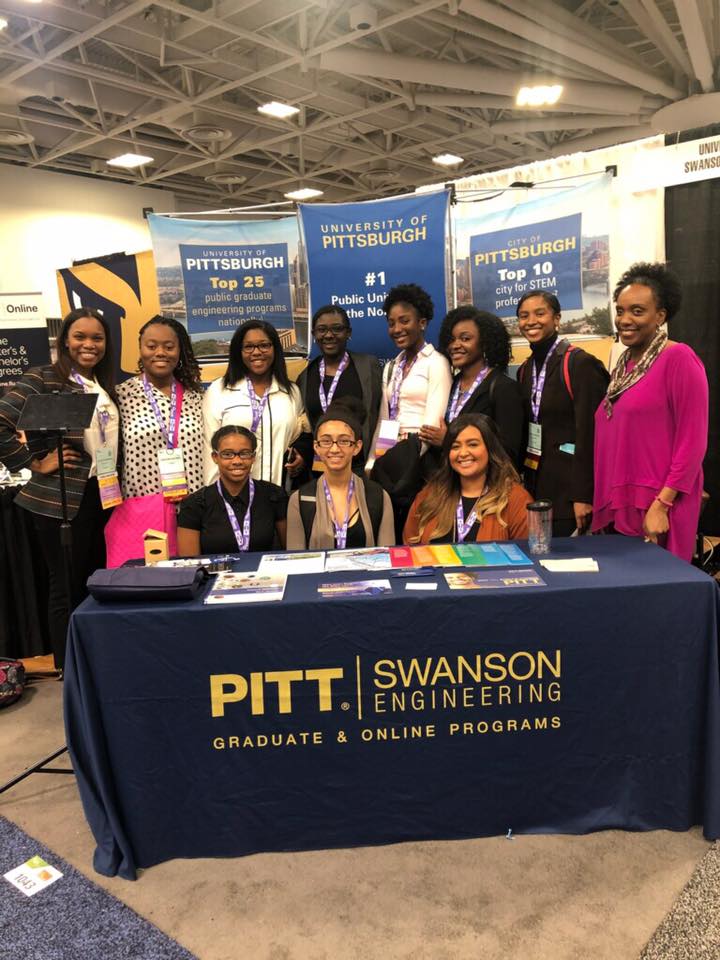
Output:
x,y
84,364
477,345
359,376
562,387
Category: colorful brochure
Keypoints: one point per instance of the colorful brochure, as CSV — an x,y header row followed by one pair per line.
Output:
x,y
247,588
491,555
276,563
496,580
356,588
367,558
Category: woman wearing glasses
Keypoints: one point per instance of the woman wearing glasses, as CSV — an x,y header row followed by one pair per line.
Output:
x,y
256,393
340,510
235,513
338,373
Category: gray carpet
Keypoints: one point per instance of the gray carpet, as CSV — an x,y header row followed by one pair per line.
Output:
x,y
73,918
691,931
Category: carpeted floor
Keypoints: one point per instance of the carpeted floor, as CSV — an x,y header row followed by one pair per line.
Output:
x,y
72,918
598,897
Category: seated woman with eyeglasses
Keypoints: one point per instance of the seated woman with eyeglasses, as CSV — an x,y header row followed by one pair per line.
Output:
x,y
340,510
476,493
236,513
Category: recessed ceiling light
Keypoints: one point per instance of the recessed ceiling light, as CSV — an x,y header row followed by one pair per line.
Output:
x,y
280,110
538,96
129,161
208,133
3,23
447,160
304,193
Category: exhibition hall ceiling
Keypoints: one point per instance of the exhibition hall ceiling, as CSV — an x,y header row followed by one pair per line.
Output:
x,y
380,87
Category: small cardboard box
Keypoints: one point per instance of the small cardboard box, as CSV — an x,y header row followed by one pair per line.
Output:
x,y
156,546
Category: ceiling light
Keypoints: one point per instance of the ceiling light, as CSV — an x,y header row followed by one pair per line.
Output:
x,y
207,133
225,179
3,23
280,110
538,96
129,161
447,160
304,193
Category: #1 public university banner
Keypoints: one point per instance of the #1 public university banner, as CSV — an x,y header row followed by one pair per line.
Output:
x,y
213,276
357,251
557,243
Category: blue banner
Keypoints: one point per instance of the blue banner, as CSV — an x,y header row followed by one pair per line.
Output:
x,y
357,251
557,242
216,275
505,264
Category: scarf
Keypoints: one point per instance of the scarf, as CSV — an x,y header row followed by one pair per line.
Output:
x,y
621,380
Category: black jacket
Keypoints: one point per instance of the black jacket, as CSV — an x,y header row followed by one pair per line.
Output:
x,y
498,397
565,478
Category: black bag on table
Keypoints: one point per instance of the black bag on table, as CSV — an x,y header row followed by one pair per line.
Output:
x,y
135,584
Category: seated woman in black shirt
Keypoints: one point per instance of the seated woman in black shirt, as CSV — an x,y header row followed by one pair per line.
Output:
x,y
340,510
236,513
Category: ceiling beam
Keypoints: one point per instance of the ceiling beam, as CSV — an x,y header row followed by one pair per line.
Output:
x,y
697,43
647,16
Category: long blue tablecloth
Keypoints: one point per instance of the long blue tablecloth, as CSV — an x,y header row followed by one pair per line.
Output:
x,y
587,704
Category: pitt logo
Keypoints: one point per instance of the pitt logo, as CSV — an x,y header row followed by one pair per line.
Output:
x,y
232,688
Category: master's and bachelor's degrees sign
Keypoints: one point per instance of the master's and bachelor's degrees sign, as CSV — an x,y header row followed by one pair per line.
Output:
x,y
506,264
23,335
226,285
357,251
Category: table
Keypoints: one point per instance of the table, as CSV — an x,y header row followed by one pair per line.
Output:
x,y
588,704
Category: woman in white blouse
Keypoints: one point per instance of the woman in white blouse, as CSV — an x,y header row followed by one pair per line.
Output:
x,y
416,384
161,410
256,393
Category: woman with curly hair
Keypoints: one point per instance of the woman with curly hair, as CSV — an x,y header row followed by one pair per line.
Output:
x,y
476,493
477,345
161,412
651,429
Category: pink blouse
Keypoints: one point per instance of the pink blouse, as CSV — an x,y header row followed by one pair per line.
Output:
x,y
656,437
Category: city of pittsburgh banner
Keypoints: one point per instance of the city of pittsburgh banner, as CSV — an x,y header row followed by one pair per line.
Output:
x,y
123,288
214,276
554,240
357,251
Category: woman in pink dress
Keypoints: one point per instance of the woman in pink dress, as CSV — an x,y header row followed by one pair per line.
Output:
x,y
651,429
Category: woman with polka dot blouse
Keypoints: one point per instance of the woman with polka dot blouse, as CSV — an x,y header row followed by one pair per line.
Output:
x,y
161,412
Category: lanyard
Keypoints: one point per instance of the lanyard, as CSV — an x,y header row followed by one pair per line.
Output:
x,y
242,537
169,433
538,383
258,404
398,377
340,529
325,401
465,526
103,415
459,400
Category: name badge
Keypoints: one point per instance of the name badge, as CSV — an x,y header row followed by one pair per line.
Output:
x,y
172,473
108,482
535,439
387,437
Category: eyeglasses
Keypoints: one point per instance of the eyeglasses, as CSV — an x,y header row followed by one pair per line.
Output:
x,y
264,347
244,455
336,330
344,442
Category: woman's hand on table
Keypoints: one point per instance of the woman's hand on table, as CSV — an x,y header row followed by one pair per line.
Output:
x,y
656,522
583,515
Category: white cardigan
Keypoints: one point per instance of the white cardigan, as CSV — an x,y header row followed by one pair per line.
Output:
x,y
424,391
279,427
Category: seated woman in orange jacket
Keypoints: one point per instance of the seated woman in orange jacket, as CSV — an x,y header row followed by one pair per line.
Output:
x,y
475,494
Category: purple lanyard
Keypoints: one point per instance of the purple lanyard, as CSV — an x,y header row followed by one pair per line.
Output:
x,y
168,433
258,404
398,377
340,529
538,383
242,537
464,526
103,416
459,400
325,401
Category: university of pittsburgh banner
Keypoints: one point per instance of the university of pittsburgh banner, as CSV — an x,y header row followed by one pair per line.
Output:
x,y
123,288
557,242
214,276
357,251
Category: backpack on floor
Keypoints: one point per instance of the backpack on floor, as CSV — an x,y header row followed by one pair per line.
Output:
x,y
12,681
